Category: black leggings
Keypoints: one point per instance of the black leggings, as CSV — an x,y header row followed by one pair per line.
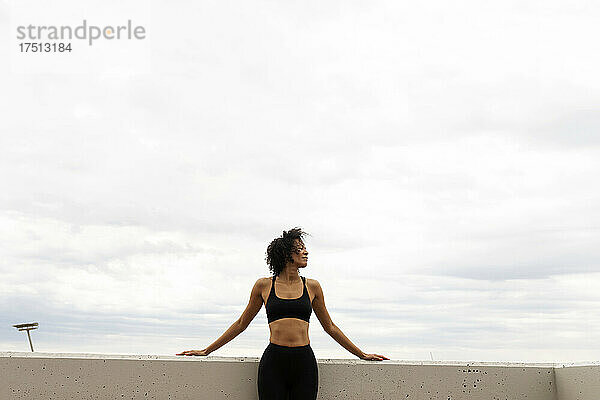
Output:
x,y
288,373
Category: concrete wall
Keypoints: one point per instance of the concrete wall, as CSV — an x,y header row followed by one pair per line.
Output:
x,y
578,382
102,376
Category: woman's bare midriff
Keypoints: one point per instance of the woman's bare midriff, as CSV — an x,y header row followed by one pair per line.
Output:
x,y
289,332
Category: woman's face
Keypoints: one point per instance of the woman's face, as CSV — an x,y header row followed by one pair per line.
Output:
x,y
299,254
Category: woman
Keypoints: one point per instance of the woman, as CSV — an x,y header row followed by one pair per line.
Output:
x,y
288,366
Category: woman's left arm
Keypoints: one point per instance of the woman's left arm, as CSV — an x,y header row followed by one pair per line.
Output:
x,y
336,333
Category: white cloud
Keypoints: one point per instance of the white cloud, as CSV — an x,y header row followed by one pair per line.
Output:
x,y
443,156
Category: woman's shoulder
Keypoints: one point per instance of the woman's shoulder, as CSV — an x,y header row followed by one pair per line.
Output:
x,y
312,283
262,282
265,280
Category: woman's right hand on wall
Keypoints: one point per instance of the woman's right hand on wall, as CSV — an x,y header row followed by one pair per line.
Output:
x,y
193,353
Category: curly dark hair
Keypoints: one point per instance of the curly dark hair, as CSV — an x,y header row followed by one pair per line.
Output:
x,y
279,251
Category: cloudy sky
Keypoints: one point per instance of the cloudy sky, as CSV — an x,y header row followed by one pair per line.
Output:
x,y
444,157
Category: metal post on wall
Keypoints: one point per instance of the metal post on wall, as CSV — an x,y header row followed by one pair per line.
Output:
x,y
27,327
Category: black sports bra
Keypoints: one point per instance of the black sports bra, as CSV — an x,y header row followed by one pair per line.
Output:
x,y
278,308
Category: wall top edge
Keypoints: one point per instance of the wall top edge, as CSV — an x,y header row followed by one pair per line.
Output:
x,y
579,364
18,354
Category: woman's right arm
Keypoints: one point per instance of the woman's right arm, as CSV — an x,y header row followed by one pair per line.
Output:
x,y
254,306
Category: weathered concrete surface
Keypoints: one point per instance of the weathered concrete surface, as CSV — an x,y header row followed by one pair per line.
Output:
x,y
578,382
102,376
